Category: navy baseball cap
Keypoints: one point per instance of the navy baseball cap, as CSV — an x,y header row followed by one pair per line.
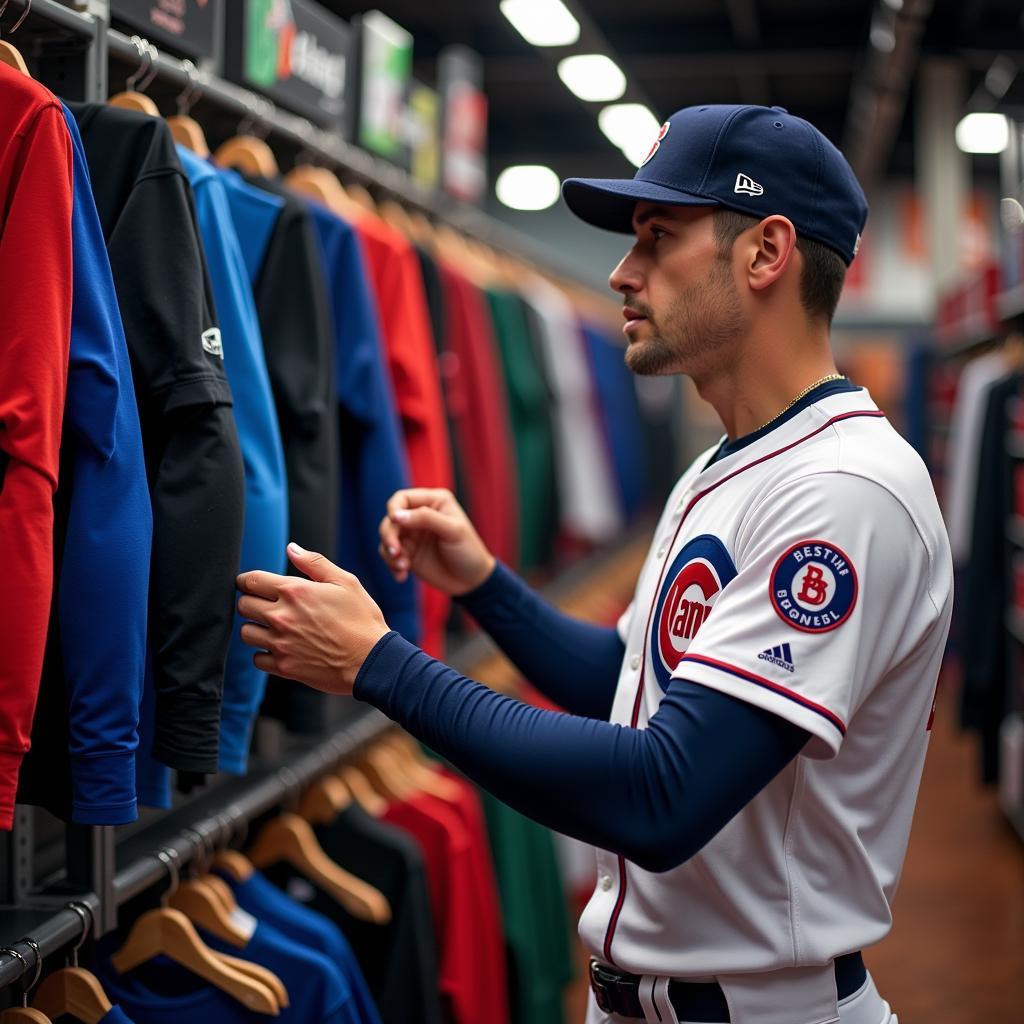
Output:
x,y
755,160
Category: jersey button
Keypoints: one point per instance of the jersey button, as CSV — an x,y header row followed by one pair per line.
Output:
x,y
662,550
634,662
606,883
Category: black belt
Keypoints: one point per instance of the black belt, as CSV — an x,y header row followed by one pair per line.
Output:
x,y
702,1002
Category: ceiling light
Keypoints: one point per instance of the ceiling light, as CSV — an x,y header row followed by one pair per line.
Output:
x,y
592,77
527,187
631,127
983,133
542,22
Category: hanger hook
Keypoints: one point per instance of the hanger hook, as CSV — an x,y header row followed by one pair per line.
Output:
x,y
14,952
84,911
24,14
34,946
190,94
144,58
154,55
168,856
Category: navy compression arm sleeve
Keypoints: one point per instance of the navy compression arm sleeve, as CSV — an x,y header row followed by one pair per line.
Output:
x,y
576,664
655,795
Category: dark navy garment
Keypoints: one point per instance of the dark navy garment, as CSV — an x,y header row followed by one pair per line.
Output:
x,y
373,462
654,795
115,1015
832,387
92,680
620,416
305,926
317,991
265,532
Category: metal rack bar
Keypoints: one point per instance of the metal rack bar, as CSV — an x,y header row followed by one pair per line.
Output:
x,y
330,148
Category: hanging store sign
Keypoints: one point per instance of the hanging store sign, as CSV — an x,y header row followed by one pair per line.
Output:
x,y
464,123
292,51
191,28
423,126
385,64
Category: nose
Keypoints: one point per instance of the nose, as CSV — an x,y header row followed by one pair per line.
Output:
x,y
626,277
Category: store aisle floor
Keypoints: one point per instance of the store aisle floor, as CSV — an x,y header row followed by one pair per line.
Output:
x,y
956,952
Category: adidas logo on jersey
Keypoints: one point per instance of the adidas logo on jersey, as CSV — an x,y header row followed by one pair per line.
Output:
x,y
746,185
781,656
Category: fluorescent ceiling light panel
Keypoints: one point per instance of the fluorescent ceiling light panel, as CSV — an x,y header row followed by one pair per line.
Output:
x,y
542,22
983,133
527,187
592,77
631,127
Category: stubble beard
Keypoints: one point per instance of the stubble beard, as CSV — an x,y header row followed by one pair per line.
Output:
x,y
693,331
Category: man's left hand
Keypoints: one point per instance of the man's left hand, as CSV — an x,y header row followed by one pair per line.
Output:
x,y
318,630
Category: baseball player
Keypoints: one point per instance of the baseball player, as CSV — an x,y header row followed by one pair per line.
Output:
x,y
745,749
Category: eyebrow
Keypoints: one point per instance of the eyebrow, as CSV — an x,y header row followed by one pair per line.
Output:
x,y
640,220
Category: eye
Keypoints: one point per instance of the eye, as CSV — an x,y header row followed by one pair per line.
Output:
x,y
657,233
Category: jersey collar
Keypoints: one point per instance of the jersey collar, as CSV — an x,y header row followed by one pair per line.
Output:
x,y
810,413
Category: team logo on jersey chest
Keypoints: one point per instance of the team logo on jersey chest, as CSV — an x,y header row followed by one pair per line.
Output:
x,y
814,586
688,592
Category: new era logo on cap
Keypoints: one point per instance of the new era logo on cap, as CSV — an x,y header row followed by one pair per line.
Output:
x,y
781,656
212,342
746,185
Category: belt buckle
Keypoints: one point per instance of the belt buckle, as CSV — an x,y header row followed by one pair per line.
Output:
x,y
599,986
614,992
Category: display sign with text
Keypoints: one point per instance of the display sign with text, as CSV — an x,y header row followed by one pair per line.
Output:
x,y
385,63
189,27
464,124
292,51
424,134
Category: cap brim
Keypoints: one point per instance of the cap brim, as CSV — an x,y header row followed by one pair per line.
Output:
x,y
609,202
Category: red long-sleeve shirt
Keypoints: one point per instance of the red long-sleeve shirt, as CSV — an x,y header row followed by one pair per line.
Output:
x,y
36,189
405,324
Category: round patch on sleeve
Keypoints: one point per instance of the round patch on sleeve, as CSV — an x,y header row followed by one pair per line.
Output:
x,y
814,586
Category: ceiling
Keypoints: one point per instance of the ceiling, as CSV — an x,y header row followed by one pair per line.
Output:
x,y
809,56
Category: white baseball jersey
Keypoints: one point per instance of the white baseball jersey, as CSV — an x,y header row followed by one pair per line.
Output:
x,y
809,574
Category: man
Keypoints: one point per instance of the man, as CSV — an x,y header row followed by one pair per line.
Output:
x,y
745,750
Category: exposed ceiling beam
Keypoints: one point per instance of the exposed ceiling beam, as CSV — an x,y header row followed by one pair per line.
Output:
x,y
878,96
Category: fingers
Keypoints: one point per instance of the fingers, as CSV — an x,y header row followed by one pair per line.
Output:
x,y
316,566
266,662
255,608
257,636
260,584
442,525
416,497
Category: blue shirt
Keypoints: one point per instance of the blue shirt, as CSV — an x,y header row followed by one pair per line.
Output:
x,y
301,924
266,488
317,991
373,463
620,412
104,578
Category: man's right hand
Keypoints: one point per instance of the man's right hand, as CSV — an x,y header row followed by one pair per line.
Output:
x,y
426,532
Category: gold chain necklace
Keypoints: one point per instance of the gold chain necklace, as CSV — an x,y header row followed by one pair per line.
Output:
x,y
806,391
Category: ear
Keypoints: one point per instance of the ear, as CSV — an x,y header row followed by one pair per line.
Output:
x,y
772,252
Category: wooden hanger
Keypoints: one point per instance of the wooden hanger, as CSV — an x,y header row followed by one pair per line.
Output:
x,y
24,1015
221,892
325,800
422,229
249,155
362,197
290,839
185,129
235,864
258,973
11,56
386,775
323,185
397,216
368,799
420,768
198,903
131,100
188,132
168,932
75,992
